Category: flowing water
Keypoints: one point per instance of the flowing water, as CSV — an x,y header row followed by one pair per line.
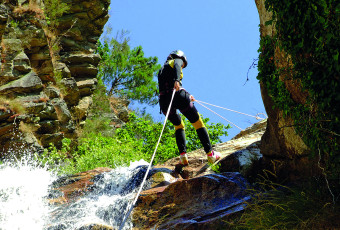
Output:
x,y
25,187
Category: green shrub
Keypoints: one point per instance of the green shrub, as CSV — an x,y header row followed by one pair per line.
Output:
x,y
53,10
143,135
58,159
135,141
98,151
97,122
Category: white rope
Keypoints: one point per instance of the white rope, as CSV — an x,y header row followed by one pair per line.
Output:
x,y
219,115
147,171
257,117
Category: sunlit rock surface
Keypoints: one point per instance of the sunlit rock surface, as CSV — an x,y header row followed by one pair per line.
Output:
x,y
54,87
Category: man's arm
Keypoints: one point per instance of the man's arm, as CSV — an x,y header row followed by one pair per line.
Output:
x,y
178,63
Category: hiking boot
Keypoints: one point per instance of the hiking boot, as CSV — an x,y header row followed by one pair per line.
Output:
x,y
213,156
183,159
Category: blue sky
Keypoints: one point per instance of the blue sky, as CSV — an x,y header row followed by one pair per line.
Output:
x,y
220,39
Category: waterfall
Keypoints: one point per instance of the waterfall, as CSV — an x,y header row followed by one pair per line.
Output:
x,y
25,188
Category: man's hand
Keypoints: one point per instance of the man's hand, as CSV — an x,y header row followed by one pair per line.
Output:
x,y
177,86
192,98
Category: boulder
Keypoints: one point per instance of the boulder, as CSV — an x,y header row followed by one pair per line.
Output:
x,y
70,91
52,92
21,63
86,86
80,111
48,126
46,139
27,84
71,188
199,203
62,110
247,161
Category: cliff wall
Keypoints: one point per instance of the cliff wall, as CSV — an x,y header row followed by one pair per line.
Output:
x,y
283,149
48,69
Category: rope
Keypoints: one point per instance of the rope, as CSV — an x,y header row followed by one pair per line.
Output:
x,y
257,117
219,115
147,171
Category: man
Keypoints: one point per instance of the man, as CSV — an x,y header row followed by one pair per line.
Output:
x,y
169,79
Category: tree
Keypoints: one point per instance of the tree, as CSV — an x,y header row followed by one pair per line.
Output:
x,y
126,72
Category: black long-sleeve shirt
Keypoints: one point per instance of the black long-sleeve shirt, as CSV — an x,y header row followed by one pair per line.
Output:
x,y
169,74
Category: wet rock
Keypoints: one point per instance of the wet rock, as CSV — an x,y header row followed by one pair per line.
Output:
x,y
198,203
95,227
71,188
161,176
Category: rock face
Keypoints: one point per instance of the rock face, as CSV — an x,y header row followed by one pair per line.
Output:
x,y
280,143
199,203
50,71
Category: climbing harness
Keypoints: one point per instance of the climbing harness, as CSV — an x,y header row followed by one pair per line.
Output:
x,y
257,115
147,171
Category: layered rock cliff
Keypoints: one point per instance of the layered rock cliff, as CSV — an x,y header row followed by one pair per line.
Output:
x,y
47,67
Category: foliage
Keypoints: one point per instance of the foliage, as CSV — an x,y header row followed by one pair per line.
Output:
x,y
215,167
308,31
93,151
57,159
143,134
97,119
98,151
136,141
126,71
33,7
53,10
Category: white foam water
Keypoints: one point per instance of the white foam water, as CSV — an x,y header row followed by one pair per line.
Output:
x,y
23,186
24,189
